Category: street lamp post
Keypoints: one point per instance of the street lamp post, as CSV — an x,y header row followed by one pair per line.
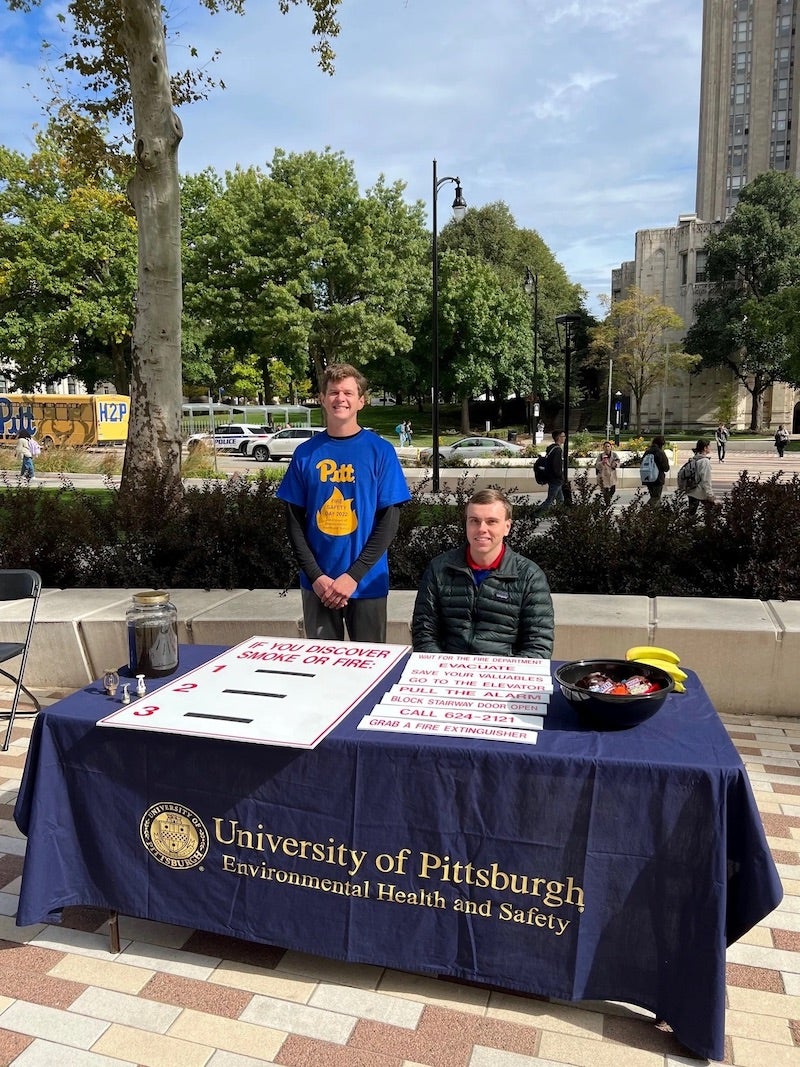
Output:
x,y
608,406
459,210
568,324
664,389
531,286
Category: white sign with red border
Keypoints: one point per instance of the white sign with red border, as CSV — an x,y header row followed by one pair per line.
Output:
x,y
463,730
266,691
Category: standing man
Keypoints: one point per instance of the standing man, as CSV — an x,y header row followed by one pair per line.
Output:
x,y
484,598
555,471
656,488
343,491
721,436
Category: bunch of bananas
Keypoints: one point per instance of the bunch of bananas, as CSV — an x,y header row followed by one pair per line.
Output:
x,y
660,657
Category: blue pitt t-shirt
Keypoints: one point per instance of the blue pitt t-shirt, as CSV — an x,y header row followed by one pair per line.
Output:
x,y
341,482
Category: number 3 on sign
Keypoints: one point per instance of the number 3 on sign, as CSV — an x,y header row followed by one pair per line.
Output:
x,y
151,709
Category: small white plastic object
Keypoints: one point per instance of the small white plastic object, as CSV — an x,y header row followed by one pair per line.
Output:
x,y
141,688
126,697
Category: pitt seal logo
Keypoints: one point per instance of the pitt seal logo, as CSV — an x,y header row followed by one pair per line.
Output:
x,y
174,835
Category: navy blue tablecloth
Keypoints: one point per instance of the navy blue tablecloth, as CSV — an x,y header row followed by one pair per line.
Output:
x,y
601,866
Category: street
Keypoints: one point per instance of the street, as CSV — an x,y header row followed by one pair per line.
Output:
x,y
758,458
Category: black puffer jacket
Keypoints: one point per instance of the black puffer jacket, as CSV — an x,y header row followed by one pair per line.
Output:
x,y
509,614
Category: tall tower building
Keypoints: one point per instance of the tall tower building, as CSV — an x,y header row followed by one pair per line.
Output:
x,y
749,99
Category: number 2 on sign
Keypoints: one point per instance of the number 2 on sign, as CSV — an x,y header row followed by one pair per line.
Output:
x,y
150,709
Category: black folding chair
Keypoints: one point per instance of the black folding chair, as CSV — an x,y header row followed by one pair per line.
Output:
x,y
18,585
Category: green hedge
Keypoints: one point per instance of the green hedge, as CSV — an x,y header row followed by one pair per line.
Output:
x,y
233,535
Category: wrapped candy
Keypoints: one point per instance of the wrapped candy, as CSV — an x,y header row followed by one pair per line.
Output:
x,y
636,685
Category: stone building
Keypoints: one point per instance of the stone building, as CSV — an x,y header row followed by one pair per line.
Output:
x,y
670,264
748,97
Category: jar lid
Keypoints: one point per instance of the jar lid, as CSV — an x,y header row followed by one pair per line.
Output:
x,y
157,596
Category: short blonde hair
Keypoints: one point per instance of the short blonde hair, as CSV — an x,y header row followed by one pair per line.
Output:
x,y
491,496
337,372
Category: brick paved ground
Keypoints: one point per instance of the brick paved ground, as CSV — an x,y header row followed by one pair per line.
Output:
x,y
175,997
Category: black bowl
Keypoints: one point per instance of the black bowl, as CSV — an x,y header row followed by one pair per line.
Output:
x,y
607,711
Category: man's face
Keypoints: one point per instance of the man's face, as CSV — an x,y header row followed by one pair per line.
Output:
x,y
342,403
561,439
487,525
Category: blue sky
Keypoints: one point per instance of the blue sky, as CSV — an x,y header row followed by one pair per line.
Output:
x,y
580,114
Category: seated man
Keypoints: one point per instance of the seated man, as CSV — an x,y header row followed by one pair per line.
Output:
x,y
484,598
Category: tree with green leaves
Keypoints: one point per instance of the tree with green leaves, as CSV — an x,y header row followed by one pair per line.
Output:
x,y
67,268
749,322
490,234
297,265
116,69
484,334
633,334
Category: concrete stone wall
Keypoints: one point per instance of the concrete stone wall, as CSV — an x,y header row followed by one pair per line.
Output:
x,y
746,652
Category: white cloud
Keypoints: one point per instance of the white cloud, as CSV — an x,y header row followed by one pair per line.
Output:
x,y
563,100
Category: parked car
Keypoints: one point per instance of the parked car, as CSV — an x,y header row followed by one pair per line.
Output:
x,y
473,448
235,437
282,444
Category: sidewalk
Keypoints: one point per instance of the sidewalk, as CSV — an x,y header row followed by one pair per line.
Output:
x,y
175,997
517,475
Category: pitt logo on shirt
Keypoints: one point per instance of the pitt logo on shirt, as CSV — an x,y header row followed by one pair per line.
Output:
x,y
330,472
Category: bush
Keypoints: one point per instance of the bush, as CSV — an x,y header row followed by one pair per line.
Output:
x,y
233,535
62,459
583,443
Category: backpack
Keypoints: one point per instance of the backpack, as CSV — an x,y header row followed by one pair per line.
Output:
x,y
540,470
687,476
35,447
648,469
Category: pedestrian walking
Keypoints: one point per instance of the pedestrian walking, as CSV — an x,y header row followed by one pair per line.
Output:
x,y
606,469
555,471
781,439
656,488
703,490
25,453
721,436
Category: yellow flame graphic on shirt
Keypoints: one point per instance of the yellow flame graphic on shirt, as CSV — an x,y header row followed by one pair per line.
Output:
x,y
336,516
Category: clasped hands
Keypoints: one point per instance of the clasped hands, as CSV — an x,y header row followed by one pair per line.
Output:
x,y
335,592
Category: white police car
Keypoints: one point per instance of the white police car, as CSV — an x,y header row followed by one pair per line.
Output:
x,y
235,437
254,441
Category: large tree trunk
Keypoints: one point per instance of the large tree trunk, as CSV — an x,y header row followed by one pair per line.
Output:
x,y
465,426
154,430
757,416
637,402
120,374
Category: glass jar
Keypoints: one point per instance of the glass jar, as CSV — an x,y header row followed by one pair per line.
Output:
x,y
152,623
